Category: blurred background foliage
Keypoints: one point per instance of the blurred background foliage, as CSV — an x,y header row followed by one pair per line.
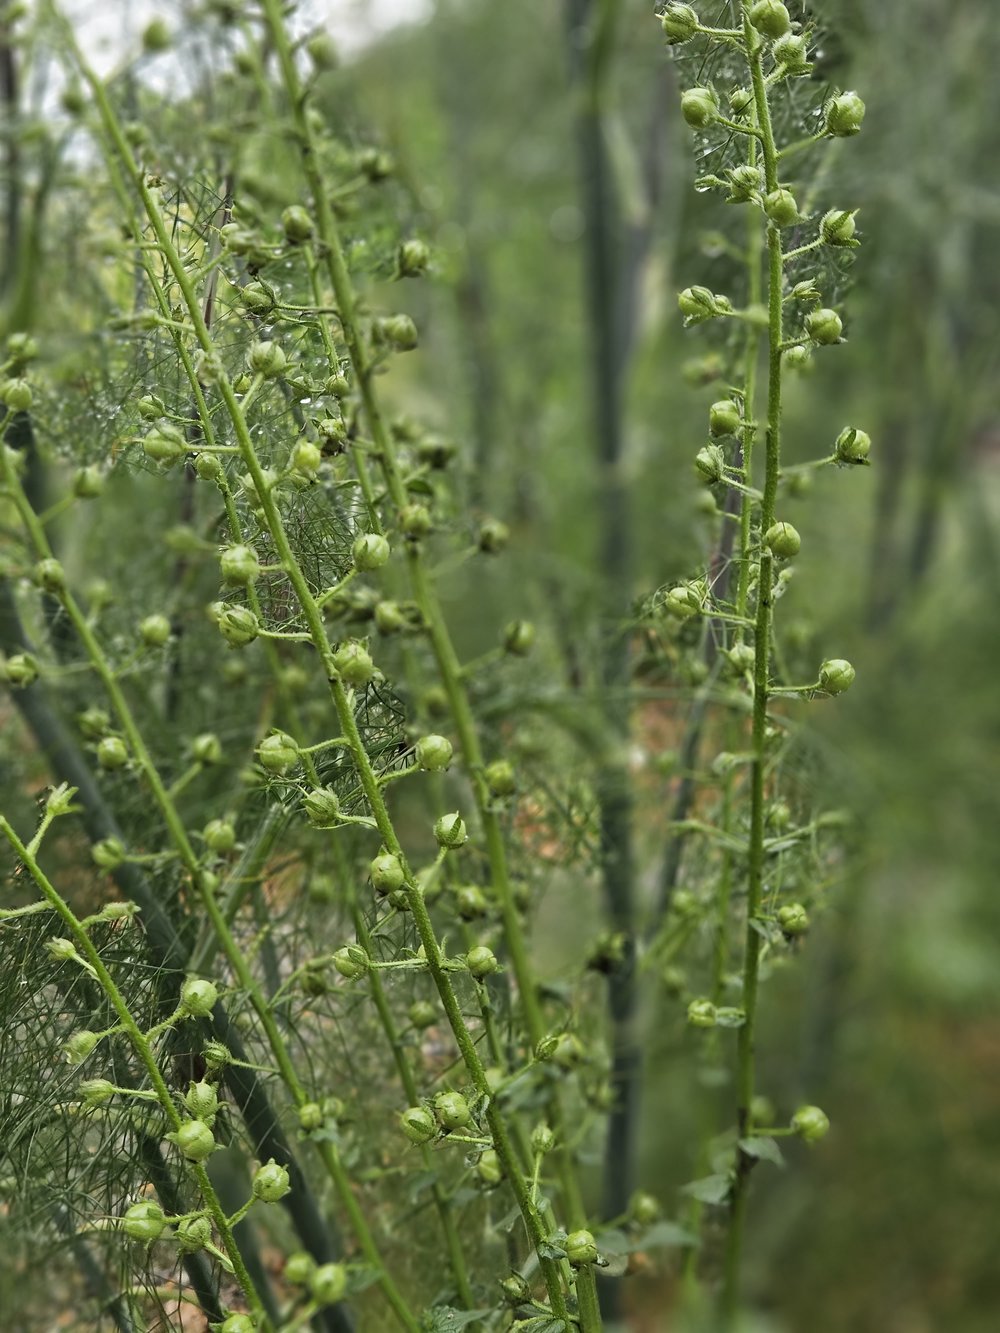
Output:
x,y
891,1022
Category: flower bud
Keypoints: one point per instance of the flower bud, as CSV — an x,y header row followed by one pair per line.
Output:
x,y
194,1233
386,873
328,1284
781,208
700,107
278,753
296,224
165,444
399,331
17,394
198,997
305,458
710,463
844,115
351,961
836,675
838,227
144,1221
516,1290
96,1091
418,1124
422,1014
238,625
701,1014
150,407
415,521
542,1140
824,326
370,551
792,54
50,575
219,835
450,831
61,948
493,536
724,417
452,1111
267,359
88,483
741,658
195,1140
810,1123
154,631
699,303
519,638
644,1209
500,778
19,670
434,753
770,17
782,540
489,1169
239,565
322,807
353,664
793,919
79,1046
270,1182
852,445
412,258
684,601
155,37
202,1100
482,961
111,753
323,53
679,23
581,1248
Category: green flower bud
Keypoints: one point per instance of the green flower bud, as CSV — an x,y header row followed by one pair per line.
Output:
x,y
144,1221
351,961
270,1182
810,1123
542,1140
238,625
792,54
581,1248
644,1209
412,258
332,429
202,1101
684,601
88,483
322,51
798,358
299,1268
701,1014
710,462
19,670
724,417
741,100
679,23
96,1091
452,1111
399,331
111,753
700,107
782,540
770,17
471,902
370,551
489,1169
278,753
198,997
322,807
449,831
844,115
17,395
386,871
165,445
306,458
376,165
482,961
793,919
156,37
836,675
239,564
108,853
61,948
493,536
418,1124
500,778
237,1323
781,208
519,638
837,227
219,835
699,303
389,617
154,631
434,753
267,359
516,1290
208,467
50,575
852,445
741,658
824,326
194,1233
311,1117
422,1014
22,347
415,521
150,407
195,1140
328,1284
353,664
79,1046
296,224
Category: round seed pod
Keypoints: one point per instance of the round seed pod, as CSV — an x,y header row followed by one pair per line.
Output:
x,y
679,23
853,445
111,753
370,551
724,417
418,1124
824,327
353,664
270,1182
296,224
386,871
144,1221
351,961
278,753
781,207
198,997
195,1140
771,18
836,675
844,115
239,565
452,1111
202,1100
322,807
412,258
434,753
299,1268
219,835
581,1248
793,919
328,1284
482,961
450,831
701,1013
700,107
88,483
194,1233
782,540
811,1123
267,359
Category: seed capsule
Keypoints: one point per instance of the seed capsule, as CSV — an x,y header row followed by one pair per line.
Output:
x,y
771,18
844,115
581,1248
824,326
783,540
700,107
270,1182
836,675
144,1221
810,1123
679,23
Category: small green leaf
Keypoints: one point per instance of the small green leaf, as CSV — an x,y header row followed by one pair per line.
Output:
x,y
446,1319
710,1189
666,1235
764,1148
